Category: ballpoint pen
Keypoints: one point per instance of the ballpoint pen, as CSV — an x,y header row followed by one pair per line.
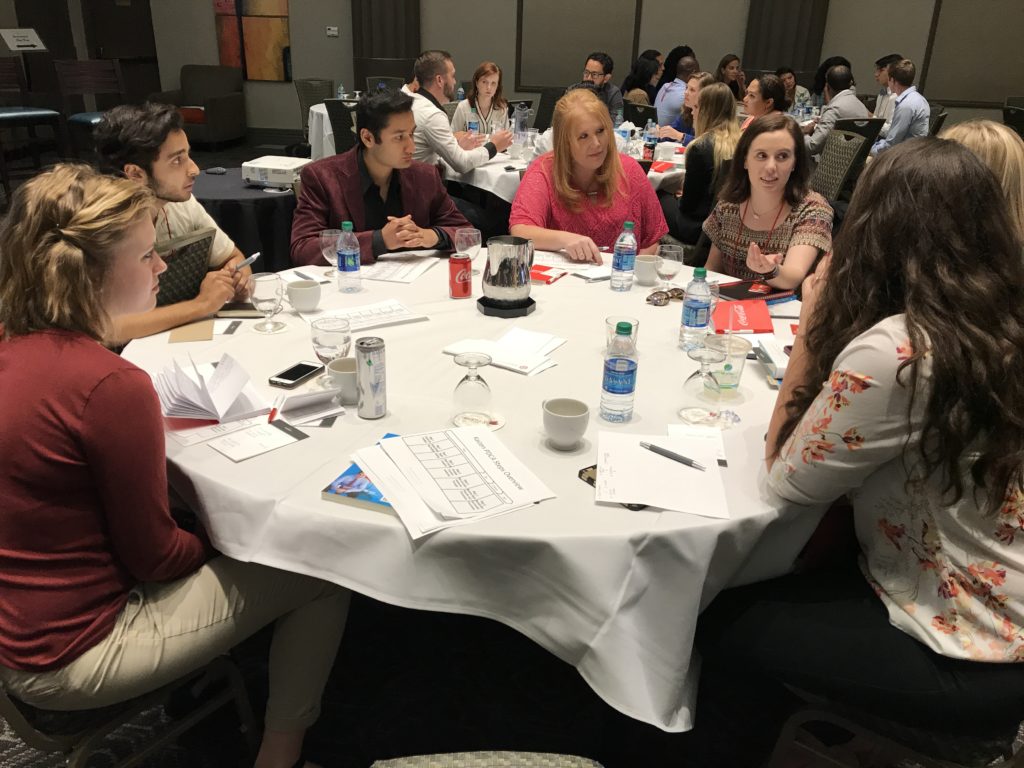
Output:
x,y
671,455
247,261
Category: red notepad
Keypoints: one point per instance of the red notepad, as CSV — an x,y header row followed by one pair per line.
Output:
x,y
747,316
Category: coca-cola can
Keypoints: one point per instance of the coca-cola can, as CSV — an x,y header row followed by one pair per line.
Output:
x,y
460,276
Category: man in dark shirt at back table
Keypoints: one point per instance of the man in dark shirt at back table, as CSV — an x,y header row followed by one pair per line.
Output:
x,y
392,201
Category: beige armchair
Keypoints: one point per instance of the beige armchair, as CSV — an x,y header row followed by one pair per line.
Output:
x,y
211,101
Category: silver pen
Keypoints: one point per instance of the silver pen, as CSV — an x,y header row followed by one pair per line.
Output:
x,y
672,455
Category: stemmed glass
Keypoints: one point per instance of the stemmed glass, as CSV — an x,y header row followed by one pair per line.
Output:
x,y
332,338
266,294
329,248
468,240
472,396
670,261
701,382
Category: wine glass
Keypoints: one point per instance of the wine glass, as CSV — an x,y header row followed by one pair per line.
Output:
x,y
472,396
266,294
700,383
670,261
332,338
329,248
468,240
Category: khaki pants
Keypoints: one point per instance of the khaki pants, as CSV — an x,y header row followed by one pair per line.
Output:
x,y
167,630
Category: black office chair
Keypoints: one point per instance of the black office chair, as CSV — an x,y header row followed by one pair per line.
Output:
x,y
342,117
546,107
936,118
12,81
639,114
375,84
1014,118
866,127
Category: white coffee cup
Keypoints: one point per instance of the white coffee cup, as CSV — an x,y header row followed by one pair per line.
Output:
x,y
343,376
646,268
565,421
304,295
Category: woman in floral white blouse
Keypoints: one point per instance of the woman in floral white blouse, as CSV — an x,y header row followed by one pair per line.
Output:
x,y
905,392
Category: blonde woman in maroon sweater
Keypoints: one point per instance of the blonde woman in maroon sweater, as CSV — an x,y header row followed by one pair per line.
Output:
x,y
104,597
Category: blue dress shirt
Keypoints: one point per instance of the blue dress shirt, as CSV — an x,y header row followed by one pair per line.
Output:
x,y
669,101
909,120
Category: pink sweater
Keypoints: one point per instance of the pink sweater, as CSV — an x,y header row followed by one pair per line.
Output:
x,y
537,205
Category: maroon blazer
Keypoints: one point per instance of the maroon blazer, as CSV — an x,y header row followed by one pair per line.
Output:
x,y
331,194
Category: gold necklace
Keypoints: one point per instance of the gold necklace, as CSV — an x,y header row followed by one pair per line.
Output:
x,y
757,216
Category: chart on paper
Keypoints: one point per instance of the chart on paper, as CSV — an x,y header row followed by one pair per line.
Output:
x,y
457,473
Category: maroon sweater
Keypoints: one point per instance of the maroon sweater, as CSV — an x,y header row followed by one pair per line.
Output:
x,y
83,483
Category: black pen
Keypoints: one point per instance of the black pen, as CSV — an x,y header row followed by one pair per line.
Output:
x,y
670,455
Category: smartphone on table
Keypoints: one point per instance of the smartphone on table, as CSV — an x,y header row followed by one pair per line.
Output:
x,y
291,377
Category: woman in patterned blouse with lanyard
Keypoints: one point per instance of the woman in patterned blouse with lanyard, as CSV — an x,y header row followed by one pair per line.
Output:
x,y
768,225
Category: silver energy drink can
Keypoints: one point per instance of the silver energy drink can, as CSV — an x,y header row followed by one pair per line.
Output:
x,y
370,377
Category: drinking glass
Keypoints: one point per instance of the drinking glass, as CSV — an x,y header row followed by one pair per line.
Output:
x,y
266,293
530,144
670,261
332,338
467,240
329,248
700,383
472,396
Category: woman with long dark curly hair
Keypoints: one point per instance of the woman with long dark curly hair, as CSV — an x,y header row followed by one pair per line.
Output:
x,y
905,392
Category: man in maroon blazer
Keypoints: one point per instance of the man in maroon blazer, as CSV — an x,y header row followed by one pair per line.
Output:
x,y
392,201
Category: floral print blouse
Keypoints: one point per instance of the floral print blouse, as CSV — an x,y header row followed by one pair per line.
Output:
x,y
949,574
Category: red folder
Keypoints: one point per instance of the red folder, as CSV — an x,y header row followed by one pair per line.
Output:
x,y
747,316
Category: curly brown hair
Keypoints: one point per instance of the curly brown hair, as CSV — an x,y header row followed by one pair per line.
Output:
x,y
927,236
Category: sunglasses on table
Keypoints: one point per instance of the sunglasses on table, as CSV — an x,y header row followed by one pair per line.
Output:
x,y
661,298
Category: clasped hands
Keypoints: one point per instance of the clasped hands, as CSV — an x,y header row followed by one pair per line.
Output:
x,y
402,232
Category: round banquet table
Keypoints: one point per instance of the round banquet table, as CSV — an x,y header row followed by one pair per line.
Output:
x,y
255,219
614,592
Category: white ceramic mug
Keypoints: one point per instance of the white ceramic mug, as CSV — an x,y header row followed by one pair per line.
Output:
x,y
647,268
565,421
304,295
343,376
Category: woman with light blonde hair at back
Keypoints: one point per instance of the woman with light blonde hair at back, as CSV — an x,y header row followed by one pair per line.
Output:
x,y
1002,150
105,598
717,136
577,197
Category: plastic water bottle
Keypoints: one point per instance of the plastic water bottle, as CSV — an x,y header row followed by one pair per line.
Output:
x,y
618,385
473,123
696,311
348,260
650,140
460,94
618,119
341,90
624,260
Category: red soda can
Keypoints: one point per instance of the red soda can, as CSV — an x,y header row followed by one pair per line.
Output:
x,y
460,276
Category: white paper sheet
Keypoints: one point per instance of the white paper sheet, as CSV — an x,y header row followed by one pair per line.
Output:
x,y
712,436
517,350
311,406
629,474
306,273
403,267
367,316
559,259
196,435
450,476
256,440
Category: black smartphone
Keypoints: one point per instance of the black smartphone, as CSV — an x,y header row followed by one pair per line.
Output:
x,y
290,378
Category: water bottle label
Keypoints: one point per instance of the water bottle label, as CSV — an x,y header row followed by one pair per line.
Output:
x,y
619,376
348,262
696,313
624,260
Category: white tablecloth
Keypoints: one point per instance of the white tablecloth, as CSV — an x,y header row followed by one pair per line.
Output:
x,y
611,591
